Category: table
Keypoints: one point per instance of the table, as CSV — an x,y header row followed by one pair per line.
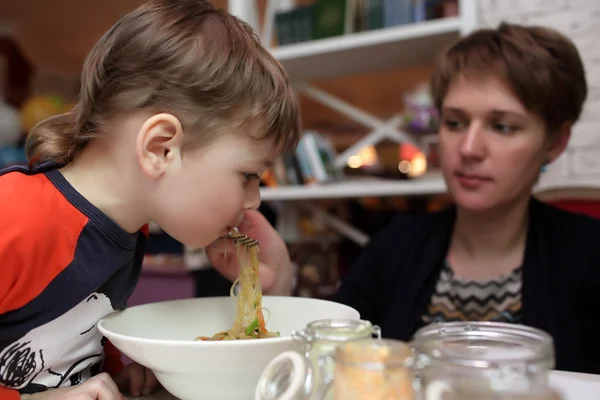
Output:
x,y
572,386
576,386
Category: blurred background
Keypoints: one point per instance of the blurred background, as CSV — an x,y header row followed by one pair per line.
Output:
x,y
369,145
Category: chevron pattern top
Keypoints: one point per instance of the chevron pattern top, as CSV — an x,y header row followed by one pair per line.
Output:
x,y
456,299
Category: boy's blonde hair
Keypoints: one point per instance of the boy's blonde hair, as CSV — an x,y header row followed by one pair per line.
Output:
x,y
183,57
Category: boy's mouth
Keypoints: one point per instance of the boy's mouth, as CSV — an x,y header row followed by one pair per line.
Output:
x,y
226,231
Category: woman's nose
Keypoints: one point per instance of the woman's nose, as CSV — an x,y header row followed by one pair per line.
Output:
x,y
473,142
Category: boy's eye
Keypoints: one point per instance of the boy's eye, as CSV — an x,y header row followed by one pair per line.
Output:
x,y
250,176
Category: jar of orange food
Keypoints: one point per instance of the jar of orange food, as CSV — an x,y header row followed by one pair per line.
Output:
x,y
307,375
373,370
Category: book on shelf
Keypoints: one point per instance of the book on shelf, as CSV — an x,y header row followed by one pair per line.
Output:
x,y
330,18
294,26
311,162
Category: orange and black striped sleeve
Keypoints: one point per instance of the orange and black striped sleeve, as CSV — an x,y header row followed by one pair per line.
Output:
x,y
63,266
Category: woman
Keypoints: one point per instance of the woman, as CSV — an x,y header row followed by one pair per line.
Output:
x,y
508,99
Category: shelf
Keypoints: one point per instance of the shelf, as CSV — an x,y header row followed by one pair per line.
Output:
x,y
582,188
370,51
356,188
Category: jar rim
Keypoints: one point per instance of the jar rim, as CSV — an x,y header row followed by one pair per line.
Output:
x,y
316,328
519,344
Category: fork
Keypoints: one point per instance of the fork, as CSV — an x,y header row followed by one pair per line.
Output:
x,y
244,240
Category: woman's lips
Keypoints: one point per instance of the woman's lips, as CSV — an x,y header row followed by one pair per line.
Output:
x,y
471,181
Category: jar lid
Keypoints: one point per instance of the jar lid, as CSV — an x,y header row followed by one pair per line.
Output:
x,y
484,344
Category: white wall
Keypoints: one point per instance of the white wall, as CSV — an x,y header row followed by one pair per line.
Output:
x,y
579,20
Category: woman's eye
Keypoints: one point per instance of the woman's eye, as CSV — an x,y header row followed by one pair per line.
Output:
x,y
250,176
503,128
453,125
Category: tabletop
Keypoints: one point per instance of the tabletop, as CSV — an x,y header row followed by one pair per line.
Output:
x,y
571,385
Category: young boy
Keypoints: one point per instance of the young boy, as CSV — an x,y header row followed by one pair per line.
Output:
x,y
180,112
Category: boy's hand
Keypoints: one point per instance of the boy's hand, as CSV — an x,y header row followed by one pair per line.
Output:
x,y
136,380
100,387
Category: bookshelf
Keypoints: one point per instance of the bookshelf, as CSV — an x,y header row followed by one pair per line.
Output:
x,y
356,188
392,47
370,51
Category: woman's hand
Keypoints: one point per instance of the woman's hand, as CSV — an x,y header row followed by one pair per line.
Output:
x,y
275,265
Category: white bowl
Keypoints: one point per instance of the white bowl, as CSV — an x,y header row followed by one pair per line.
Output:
x,y
161,336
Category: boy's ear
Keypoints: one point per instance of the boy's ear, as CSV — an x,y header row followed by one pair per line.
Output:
x,y
158,144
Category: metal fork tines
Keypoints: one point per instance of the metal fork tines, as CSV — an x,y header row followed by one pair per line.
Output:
x,y
244,240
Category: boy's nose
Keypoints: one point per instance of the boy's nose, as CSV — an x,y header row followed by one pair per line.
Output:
x,y
252,197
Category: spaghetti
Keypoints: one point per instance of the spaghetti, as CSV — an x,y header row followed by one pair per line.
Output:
x,y
249,321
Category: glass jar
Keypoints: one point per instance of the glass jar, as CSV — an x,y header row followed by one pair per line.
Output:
x,y
491,359
373,370
295,376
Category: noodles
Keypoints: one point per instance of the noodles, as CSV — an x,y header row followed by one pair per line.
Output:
x,y
249,320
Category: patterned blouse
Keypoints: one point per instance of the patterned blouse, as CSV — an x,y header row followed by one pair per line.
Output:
x,y
457,299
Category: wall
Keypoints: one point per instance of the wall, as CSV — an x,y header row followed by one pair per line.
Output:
x,y
579,167
56,39
56,35
16,72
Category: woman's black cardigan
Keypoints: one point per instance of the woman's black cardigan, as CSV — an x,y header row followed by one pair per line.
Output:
x,y
392,282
